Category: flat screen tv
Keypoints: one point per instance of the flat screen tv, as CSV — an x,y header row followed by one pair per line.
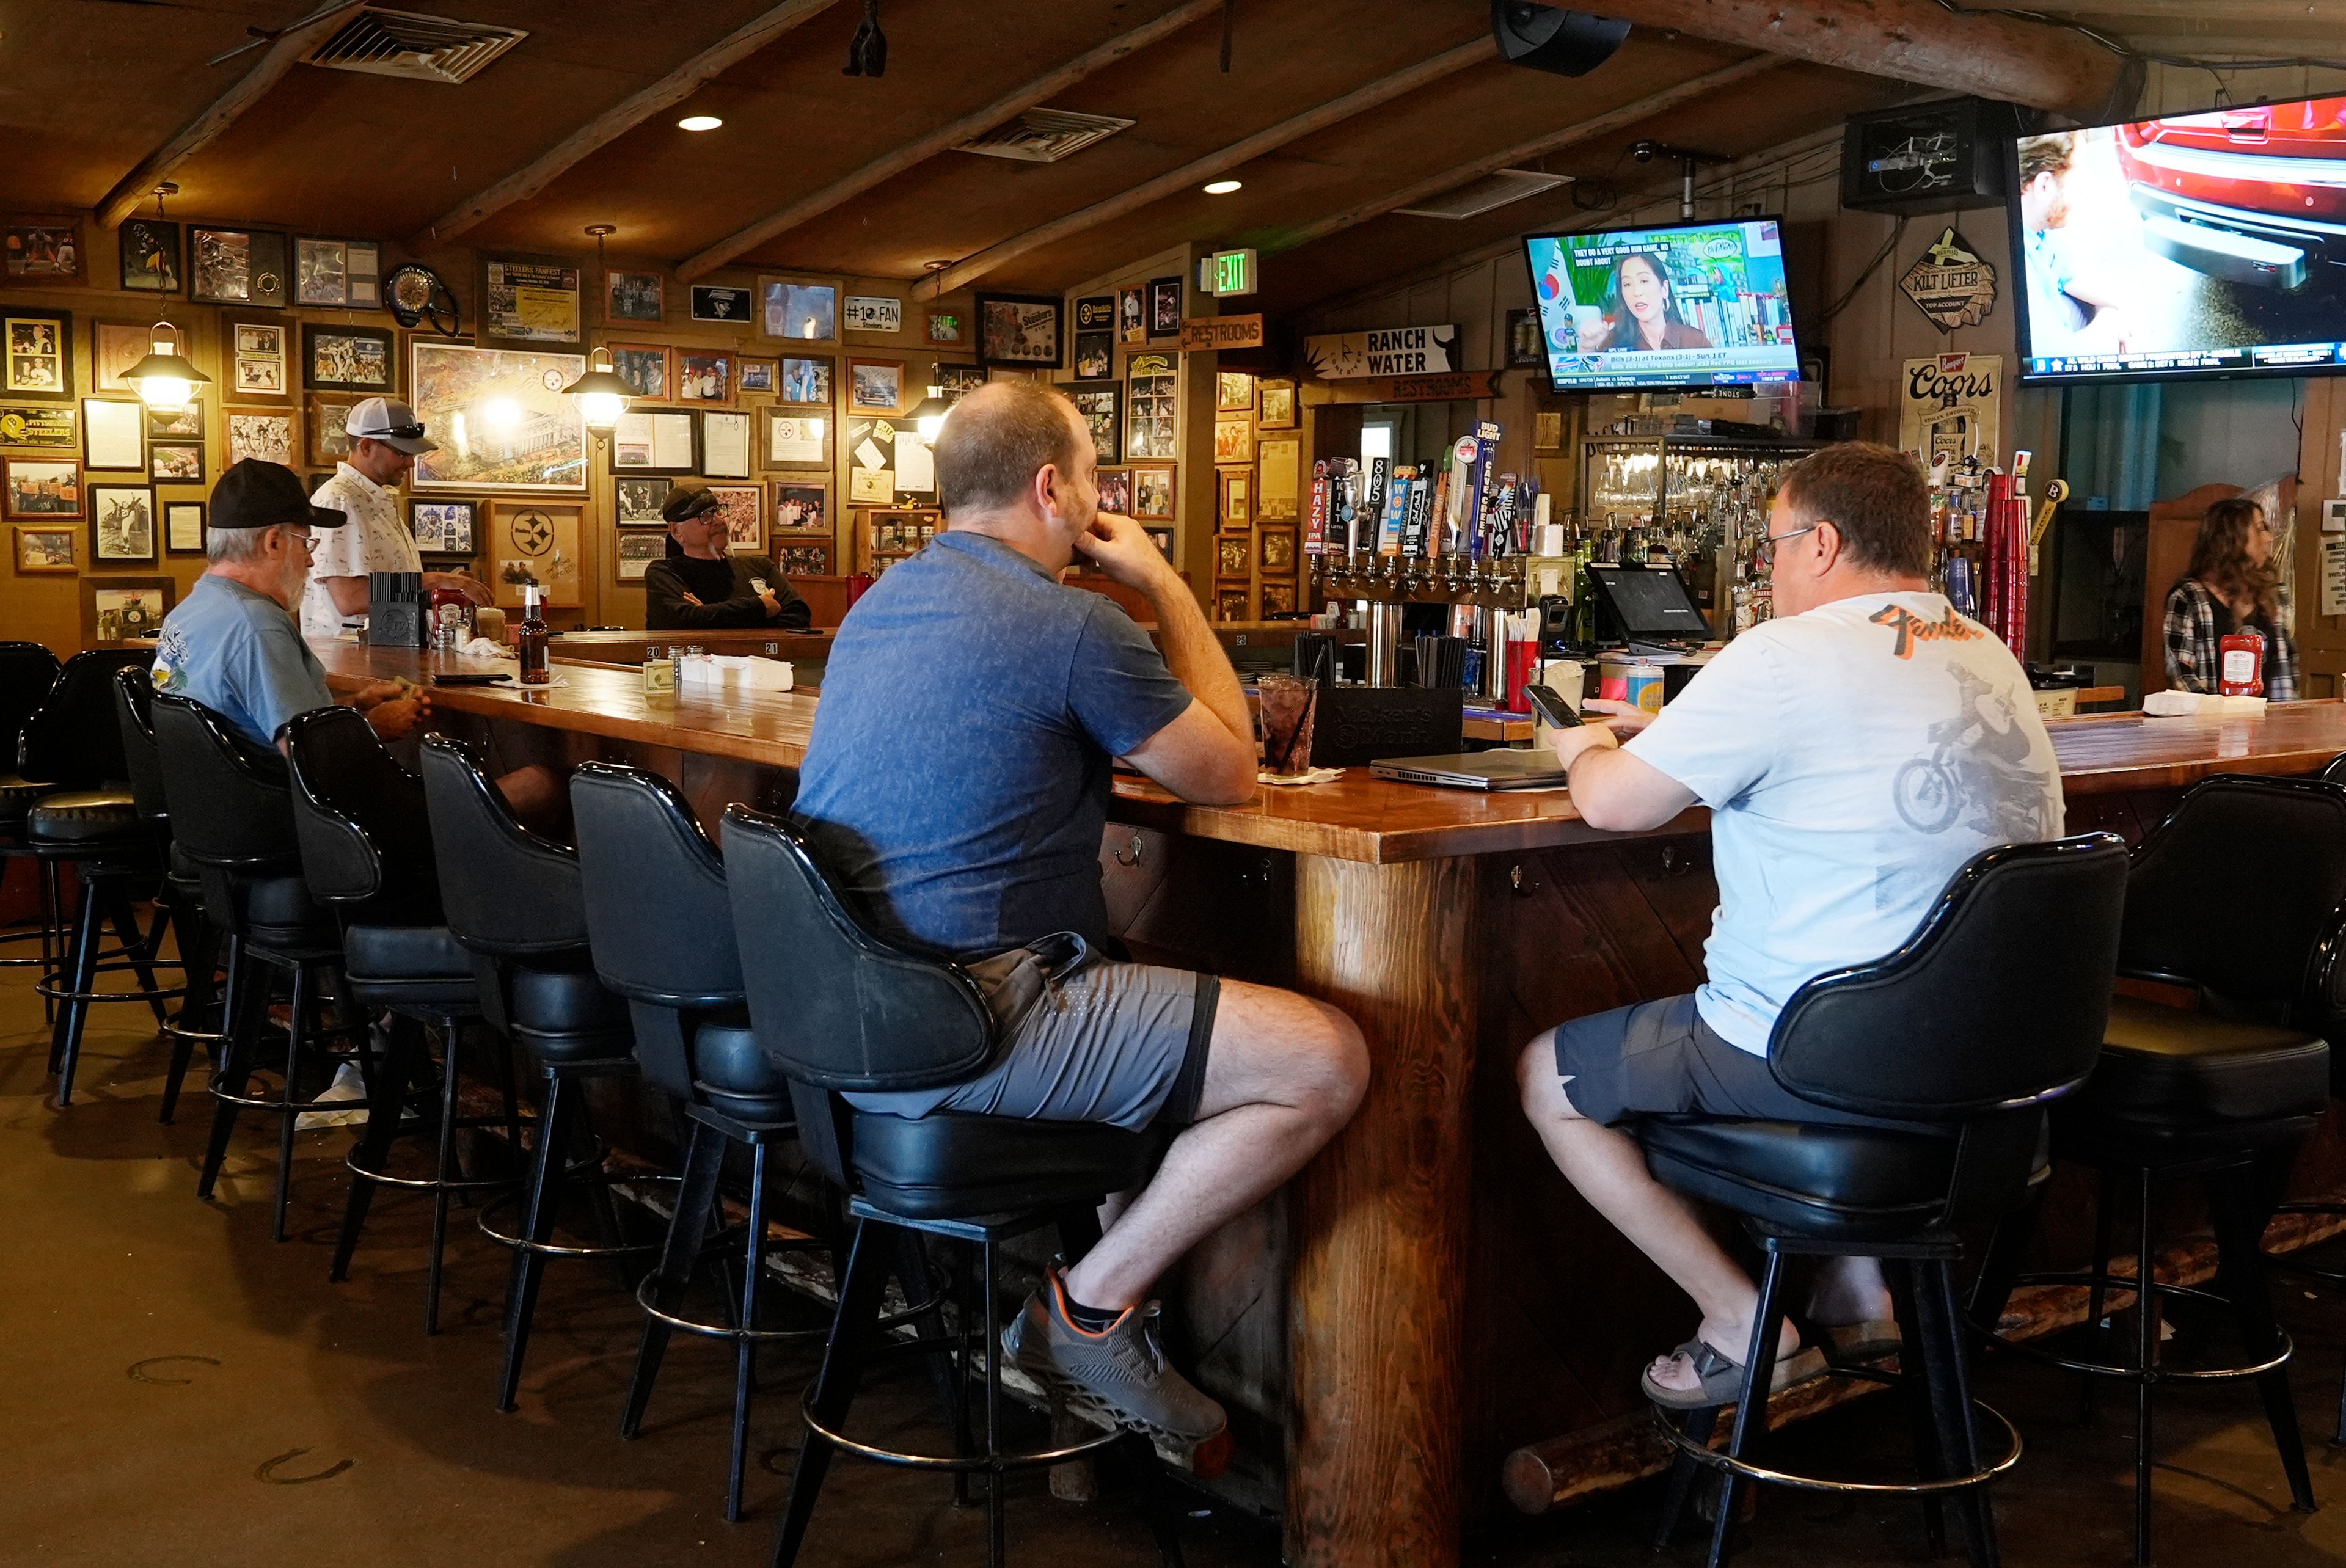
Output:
x,y
1674,305
2205,245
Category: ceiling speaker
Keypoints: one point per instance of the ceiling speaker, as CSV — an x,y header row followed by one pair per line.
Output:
x,y
1567,43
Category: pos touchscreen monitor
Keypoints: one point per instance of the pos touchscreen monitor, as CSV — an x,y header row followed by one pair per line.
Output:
x,y
2193,246
1674,305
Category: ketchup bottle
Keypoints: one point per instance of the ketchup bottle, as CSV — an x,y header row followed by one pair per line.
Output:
x,y
529,641
2240,663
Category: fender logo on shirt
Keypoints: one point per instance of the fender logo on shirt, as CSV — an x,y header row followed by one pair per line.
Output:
x,y
1912,629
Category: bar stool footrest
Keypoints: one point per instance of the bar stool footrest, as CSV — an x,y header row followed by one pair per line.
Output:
x,y
1702,1453
1034,1459
555,1249
2126,1284
712,1330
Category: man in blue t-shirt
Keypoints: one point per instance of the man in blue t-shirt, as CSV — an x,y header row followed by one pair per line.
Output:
x,y
1832,842
957,781
231,644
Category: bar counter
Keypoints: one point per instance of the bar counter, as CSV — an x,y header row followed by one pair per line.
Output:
x,y
1431,1296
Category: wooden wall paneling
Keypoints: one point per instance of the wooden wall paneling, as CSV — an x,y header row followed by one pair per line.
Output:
x,y
2321,639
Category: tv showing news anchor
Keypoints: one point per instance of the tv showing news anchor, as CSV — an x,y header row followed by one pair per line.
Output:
x,y
1676,305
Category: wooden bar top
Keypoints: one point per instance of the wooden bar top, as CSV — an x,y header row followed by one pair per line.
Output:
x,y
1356,818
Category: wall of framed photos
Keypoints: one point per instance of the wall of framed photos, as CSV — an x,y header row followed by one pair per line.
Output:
x,y
791,392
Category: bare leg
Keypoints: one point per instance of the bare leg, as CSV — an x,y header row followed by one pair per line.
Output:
x,y
1609,1170
538,797
1851,1291
1284,1075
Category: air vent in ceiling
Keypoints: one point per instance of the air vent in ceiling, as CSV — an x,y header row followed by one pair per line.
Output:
x,y
424,48
1045,135
1492,190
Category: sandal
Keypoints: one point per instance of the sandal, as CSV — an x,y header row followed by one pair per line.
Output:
x,y
1722,1379
1867,1342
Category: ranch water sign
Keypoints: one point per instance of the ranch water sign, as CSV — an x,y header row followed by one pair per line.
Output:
x,y
1385,351
1951,405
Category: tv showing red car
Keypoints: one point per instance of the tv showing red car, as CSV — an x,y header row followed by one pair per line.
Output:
x,y
2196,245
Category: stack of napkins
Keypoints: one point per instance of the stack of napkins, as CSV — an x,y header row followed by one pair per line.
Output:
x,y
734,672
2205,704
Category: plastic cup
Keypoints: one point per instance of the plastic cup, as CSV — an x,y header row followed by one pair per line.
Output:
x,y
1289,705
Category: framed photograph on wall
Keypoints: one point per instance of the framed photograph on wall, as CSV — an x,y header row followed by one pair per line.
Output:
x,y
795,440
647,367
444,527
634,550
1233,391
114,348
1278,550
40,488
704,375
801,507
113,433
498,390
1115,491
1276,411
1103,409
122,524
257,359
799,310
806,382
150,255
656,440
1152,491
945,327
1278,599
634,297
755,375
185,423
875,386
1132,315
1233,441
529,302
42,250
328,441
1234,497
1152,388
1231,602
1021,329
1279,482
176,462
342,274
237,267
46,549
183,528
1095,356
717,302
743,507
636,502
1165,306
114,609
957,381
530,539
36,354
348,358
1234,554
1163,539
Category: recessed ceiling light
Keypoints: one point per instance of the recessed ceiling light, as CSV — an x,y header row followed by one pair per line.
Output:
x,y
699,122
1222,187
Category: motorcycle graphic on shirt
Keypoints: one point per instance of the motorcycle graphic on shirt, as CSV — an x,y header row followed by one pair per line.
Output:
x,y
1976,771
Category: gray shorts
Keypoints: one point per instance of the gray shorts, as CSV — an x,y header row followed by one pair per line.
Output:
x,y
1123,1043
1660,1058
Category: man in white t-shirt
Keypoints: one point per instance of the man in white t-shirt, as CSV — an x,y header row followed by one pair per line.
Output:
x,y
1854,752
386,438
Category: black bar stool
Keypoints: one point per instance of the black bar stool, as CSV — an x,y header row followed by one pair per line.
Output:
x,y
663,937
232,814
1994,1007
514,900
196,1022
28,672
2237,896
76,738
837,1008
366,853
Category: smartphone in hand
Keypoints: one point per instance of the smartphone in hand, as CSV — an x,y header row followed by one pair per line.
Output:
x,y
1552,706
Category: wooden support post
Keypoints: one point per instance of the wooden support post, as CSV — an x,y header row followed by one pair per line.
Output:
x,y
1376,1316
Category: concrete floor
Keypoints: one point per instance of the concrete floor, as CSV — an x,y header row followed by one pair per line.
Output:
x,y
179,1390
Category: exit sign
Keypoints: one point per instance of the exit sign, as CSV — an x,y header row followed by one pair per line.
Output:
x,y
1227,272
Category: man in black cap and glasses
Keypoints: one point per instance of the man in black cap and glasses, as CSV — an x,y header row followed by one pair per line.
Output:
x,y
701,586
231,644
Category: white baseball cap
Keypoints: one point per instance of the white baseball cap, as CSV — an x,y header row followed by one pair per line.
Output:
x,y
390,422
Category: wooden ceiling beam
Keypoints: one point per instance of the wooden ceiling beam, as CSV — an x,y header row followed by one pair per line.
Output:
x,y
1192,174
1630,114
618,119
2044,67
283,53
2128,14
943,139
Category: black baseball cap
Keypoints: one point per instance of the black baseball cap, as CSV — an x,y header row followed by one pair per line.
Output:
x,y
690,499
257,494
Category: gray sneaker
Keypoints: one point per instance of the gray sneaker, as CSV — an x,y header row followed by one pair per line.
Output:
x,y
1117,1377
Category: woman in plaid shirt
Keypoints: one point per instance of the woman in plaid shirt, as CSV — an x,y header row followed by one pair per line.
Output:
x,y
2231,586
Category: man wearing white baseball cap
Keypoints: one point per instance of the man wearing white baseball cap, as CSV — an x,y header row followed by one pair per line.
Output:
x,y
386,438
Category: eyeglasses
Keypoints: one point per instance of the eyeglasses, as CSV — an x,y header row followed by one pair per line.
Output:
x,y
1780,538
307,541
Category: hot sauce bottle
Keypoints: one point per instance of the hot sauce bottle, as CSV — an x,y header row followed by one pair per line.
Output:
x,y
529,640
2240,663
